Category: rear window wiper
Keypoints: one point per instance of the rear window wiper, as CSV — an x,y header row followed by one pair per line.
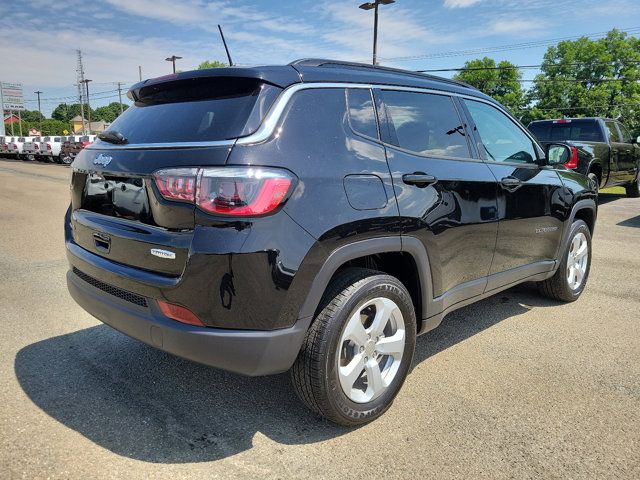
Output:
x,y
112,136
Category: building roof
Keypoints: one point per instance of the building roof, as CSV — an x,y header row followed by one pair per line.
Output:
x,y
77,118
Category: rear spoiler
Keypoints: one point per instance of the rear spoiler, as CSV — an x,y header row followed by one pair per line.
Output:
x,y
280,76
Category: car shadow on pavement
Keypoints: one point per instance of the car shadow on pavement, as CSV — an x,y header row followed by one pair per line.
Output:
x,y
604,198
144,404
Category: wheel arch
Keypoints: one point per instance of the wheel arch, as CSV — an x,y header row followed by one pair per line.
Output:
x,y
402,257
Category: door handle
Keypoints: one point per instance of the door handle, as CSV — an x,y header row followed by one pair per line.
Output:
x,y
419,179
510,183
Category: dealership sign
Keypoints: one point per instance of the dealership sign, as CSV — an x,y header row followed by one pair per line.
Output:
x,y
12,98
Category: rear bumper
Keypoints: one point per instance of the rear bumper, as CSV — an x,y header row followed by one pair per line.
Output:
x,y
248,352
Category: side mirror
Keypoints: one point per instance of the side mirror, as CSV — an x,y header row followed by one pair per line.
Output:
x,y
557,154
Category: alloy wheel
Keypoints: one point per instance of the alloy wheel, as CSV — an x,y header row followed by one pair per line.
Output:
x,y
577,260
371,349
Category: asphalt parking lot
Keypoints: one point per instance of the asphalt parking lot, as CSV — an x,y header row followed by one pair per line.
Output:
x,y
515,386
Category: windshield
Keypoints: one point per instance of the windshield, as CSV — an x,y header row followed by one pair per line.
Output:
x,y
197,110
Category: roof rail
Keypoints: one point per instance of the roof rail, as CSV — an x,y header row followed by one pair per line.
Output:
x,y
321,62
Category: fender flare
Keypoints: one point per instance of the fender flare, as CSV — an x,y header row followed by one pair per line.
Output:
x,y
583,204
362,248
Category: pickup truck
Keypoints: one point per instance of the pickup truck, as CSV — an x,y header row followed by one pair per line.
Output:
x,y
16,147
50,148
601,148
31,148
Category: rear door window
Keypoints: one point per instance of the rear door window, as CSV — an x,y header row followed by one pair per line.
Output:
x,y
426,124
362,114
612,131
624,133
562,130
196,110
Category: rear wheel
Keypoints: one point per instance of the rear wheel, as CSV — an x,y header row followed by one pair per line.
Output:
x,y
633,189
358,351
571,277
66,159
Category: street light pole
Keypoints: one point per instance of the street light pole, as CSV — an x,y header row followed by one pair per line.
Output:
x,y
86,82
374,6
39,110
173,59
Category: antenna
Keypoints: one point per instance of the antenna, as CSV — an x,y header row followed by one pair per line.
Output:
x,y
225,46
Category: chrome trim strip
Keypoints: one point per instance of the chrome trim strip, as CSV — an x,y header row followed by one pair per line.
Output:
x,y
268,125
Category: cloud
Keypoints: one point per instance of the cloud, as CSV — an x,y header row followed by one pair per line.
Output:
x,y
460,3
514,26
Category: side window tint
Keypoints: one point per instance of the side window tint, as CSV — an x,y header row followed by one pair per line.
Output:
x,y
612,132
426,124
362,115
502,140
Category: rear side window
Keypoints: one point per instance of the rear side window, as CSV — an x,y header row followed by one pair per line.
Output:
x,y
612,131
426,124
362,114
578,130
196,110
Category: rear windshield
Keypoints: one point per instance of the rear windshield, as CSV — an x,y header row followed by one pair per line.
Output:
x,y
196,110
578,130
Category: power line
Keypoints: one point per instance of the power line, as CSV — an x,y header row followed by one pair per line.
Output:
x,y
546,109
523,67
502,48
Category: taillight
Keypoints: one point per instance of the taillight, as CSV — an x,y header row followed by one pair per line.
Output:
x,y
180,314
573,163
235,191
48,146
177,183
36,146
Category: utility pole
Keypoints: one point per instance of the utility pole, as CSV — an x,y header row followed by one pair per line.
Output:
x,y
20,122
173,59
80,79
2,130
39,110
86,83
374,6
140,72
120,96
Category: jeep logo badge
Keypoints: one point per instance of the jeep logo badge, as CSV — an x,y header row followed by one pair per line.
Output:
x,y
163,253
102,159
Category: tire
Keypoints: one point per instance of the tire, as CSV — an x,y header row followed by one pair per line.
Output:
x,y
633,189
67,159
595,181
560,287
57,159
316,373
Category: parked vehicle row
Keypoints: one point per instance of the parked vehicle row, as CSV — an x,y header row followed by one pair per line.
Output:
x,y
53,148
602,149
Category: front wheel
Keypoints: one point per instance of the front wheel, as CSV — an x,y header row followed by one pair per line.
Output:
x,y
67,159
358,351
633,189
571,277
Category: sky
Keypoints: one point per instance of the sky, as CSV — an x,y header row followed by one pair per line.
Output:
x,y
38,44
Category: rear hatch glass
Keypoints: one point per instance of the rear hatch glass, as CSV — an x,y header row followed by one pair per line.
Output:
x,y
196,110
576,130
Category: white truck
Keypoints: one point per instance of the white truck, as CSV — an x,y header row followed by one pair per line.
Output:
x,y
31,148
17,146
50,148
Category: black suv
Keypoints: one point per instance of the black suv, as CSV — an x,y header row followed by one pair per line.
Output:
x,y
316,217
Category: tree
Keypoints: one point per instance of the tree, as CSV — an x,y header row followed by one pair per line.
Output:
x,y
211,64
108,113
66,111
591,78
31,116
500,81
